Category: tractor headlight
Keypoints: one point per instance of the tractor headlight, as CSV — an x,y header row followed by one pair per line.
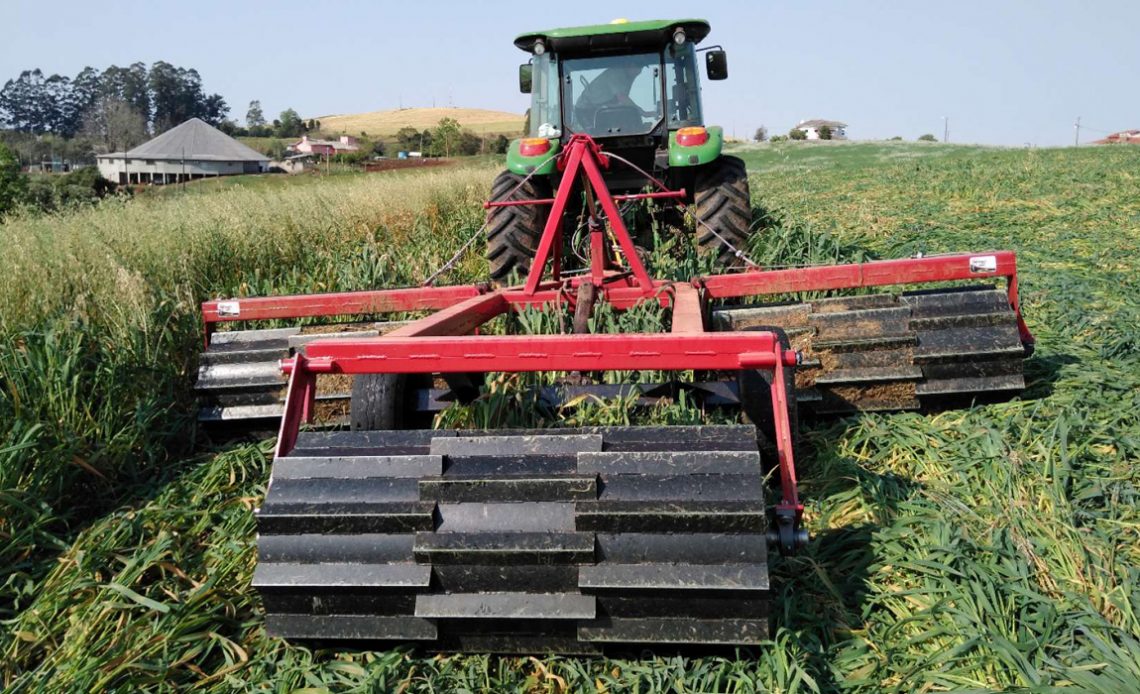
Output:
x,y
679,37
539,47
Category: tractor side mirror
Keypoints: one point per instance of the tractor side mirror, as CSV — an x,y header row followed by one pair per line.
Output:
x,y
716,65
524,78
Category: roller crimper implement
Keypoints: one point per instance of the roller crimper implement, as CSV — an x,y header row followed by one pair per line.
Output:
x,y
570,540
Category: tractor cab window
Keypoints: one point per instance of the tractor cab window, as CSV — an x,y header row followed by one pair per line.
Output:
x,y
545,116
612,95
682,90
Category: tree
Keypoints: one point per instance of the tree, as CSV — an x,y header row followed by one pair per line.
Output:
x,y
378,148
500,145
13,184
113,125
215,110
276,150
129,84
896,138
86,89
177,96
446,137
761,134
797,134
32,103
469,143
408,138
254,118
231,128
289,124
825,132
927,137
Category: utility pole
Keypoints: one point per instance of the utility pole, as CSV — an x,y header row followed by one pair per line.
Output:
x,y
945,129
1077,132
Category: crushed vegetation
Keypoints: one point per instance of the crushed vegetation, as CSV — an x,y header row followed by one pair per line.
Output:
x,y
993,547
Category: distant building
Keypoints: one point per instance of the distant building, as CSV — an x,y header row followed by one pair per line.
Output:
x,y
346,143
295,163
1124,137
811,128
189,151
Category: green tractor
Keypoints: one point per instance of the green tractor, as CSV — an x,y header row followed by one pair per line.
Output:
x,y
634,88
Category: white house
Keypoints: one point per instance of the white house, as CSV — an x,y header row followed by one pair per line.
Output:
x,y
346,143
811,128
189,151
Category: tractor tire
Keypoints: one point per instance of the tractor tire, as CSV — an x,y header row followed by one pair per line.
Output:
x,y
377,402
513,233
722,201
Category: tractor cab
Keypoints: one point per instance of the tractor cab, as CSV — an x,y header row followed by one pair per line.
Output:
x,y
633,85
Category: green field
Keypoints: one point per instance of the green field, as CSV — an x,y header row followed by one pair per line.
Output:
x,y
995,547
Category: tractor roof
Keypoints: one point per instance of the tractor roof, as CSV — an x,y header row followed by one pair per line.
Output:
x,y
614,37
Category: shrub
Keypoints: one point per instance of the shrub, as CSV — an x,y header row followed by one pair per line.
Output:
x,y
355,158
13,184
927,138
797,134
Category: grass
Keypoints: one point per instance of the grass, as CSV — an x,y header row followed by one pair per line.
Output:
x,y
387,123
990,548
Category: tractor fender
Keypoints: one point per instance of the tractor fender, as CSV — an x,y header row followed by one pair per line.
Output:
x,y
523,165
710,150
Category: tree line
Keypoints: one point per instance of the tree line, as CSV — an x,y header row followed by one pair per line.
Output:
x,y
116,108
449,139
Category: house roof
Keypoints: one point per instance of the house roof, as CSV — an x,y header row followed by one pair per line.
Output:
x,y
819,123
1122,137
330,143
195,140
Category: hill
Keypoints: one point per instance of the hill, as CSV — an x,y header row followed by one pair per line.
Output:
x,y
991,547
387,123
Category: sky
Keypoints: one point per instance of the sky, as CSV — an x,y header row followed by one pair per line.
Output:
x,y
1013,72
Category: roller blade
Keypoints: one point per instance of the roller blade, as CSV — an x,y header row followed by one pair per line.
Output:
x,y
566,541
240,380
886,352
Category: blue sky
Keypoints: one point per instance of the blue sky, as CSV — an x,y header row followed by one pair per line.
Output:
x,y
1010,73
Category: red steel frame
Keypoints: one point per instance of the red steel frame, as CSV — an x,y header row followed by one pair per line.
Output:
x,y
442,342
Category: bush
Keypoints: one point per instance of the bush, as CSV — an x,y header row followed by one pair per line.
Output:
x,y
927,138
825,132
469,143
896,138
779,138
355,158
13,184
52,193
797,134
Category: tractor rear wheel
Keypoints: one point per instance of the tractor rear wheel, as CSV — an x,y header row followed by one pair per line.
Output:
x,y
513,233
722,203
